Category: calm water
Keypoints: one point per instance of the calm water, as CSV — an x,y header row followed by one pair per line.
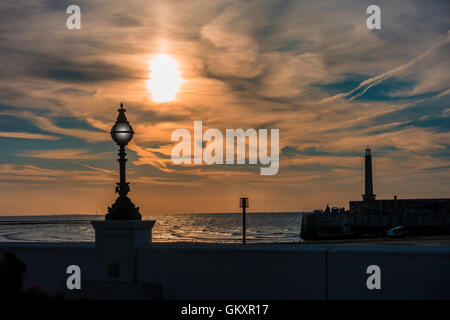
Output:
x,y
212,227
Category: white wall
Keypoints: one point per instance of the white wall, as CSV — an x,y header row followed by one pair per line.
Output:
x,y
47,262
407,272
200,271
213,271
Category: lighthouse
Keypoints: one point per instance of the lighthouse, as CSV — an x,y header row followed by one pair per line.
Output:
x,y
368,196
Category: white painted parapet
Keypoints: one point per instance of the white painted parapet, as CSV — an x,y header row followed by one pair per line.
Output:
x,y
401,272
116,242
235,271
47,263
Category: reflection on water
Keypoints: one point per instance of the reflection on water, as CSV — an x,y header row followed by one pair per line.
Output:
x,y
212,227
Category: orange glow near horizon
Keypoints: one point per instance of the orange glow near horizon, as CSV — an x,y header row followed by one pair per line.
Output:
x,y
165,78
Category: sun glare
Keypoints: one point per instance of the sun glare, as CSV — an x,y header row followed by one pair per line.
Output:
x,y
165,79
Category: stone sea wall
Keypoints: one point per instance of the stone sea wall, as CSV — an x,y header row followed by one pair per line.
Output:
x,y
233,271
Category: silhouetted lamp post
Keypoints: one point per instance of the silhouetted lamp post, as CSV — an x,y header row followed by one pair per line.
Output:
x,y
122,208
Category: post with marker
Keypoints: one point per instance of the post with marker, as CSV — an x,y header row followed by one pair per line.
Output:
x,y
243,204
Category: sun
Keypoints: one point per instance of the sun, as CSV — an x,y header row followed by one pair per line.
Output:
x,y
165,78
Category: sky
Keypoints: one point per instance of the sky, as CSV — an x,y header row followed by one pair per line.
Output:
x,y
311,69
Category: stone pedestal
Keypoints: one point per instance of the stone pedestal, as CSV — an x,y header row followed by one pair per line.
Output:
x,y
116,242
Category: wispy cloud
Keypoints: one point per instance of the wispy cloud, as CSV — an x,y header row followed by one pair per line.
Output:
x,y
16,173
148,157
47,125
373,81
27,135
67,154
309,68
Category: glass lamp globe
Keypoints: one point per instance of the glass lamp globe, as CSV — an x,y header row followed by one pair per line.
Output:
x,y
122,133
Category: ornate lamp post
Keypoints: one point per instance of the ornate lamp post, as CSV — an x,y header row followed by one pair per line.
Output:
x,y
122,231
122,208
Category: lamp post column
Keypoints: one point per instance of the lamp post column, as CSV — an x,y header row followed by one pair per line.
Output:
x,y
123,185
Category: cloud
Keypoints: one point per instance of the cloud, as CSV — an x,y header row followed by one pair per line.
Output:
x,y
66,154
18,173
111,172
148,157
369,83
46,124
125,21
27,135
291,76
311,69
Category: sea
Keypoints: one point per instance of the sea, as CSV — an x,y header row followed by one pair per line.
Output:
x,y
273,227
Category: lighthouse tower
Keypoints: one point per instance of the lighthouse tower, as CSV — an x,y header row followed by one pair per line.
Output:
x,y
368,196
